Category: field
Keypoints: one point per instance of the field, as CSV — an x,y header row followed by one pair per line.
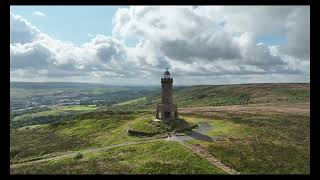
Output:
x,y
132,101
87,130
267,134
56,110
49,115
156,157
255,139
222,95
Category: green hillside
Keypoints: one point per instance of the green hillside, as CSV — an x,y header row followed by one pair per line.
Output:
x,y
48,115
269,134
95,130
221,95
157,157
82,131
259,141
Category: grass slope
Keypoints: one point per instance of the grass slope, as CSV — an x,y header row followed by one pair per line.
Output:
x,y
259,142
55,113
132,101
86,130
220,95
159,157
270,135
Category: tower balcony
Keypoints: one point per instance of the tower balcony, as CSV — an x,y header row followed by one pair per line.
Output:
x,y
167,80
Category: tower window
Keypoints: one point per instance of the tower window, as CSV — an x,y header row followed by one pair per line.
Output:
x,y
166,114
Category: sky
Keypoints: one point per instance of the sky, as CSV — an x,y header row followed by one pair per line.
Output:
x,y
133,45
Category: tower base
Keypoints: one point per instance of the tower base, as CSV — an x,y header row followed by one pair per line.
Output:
x,y
167,112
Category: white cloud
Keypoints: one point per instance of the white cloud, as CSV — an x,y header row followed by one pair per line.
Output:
x,y
298,31
21,31
44,56
222,38
216,42
39,13
256,19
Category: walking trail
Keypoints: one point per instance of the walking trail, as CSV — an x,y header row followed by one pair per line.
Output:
x,y
74,153
198,149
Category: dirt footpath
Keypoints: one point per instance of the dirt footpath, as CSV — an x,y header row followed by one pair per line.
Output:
x,y
293,108
198,149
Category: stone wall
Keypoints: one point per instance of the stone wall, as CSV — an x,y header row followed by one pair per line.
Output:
x,y
166,92
139,133
166,111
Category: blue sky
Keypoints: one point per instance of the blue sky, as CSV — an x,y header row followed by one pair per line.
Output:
x,y
78,24
70,23
272,39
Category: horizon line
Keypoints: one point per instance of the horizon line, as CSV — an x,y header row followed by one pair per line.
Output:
x,y
160,84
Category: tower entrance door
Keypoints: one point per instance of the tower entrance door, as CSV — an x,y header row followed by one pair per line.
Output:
x,y
166,114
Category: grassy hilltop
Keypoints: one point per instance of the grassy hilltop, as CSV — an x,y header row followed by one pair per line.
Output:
x,y
220,95
257,129
94,130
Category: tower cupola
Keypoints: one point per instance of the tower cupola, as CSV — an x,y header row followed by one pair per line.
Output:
x,y
166,74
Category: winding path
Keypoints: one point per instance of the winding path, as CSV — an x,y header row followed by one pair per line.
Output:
x,y
201,151
198,149
74,153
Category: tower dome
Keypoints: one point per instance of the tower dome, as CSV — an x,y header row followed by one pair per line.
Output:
x,y
166,74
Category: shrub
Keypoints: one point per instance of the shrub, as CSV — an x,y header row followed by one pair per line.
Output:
x,y
78,156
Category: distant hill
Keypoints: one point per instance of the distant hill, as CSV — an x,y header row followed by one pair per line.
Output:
x,y
44,85
147,97
22,89
218,95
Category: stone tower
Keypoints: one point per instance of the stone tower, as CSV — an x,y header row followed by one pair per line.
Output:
x,y
166,110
